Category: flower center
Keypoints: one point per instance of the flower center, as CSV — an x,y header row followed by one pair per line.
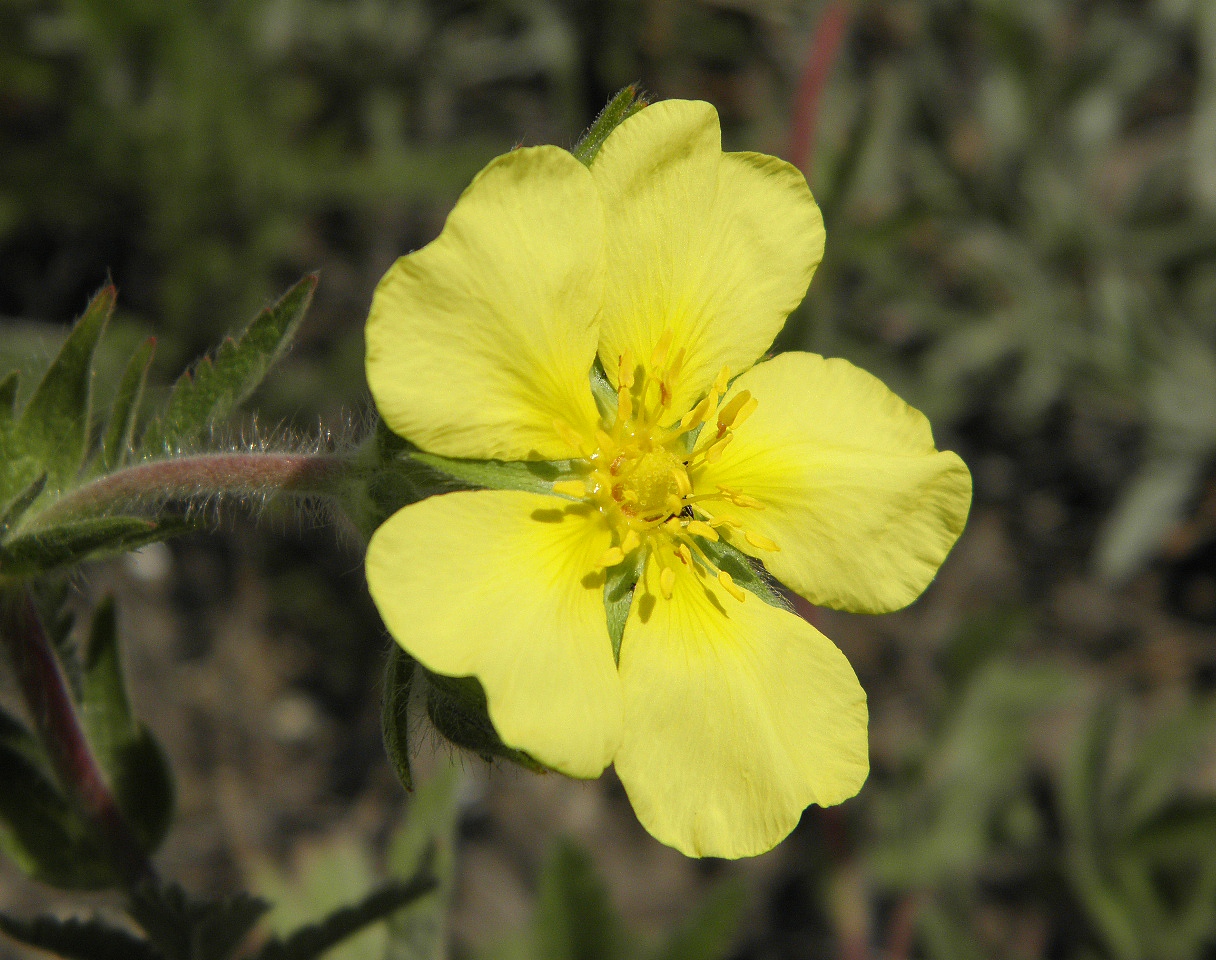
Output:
x,y
643,476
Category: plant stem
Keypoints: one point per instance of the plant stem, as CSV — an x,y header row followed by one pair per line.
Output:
x,y
825,46
203,475
46,695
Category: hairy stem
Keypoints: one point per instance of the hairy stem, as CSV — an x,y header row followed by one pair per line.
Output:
x,y
203,475
45,690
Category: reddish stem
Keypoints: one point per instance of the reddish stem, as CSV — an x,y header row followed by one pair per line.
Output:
x,y
825,46
45,690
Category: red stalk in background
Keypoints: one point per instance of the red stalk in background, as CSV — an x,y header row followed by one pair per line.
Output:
x,y
825,47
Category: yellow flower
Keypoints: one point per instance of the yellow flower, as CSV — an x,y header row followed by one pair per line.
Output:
x,y
676,265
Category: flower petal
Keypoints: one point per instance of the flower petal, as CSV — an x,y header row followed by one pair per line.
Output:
x,y
737,717
862,506
479,341
495,584
718,247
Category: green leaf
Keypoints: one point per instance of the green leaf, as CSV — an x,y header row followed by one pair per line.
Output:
x,y
39,551
531,476
119,438
619,586
601,389
427,834
14,511
394,715
575,919
183,928
8,395
55,425
218,385
710,932
725,557
78,939
133,762
312,941
620,108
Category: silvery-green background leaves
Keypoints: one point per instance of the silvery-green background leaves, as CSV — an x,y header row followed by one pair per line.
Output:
x,y
1020,198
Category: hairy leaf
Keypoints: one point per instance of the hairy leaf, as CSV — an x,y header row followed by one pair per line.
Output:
x,y
78,939
55,425
183,928
39,551
394,716
216,386
119,437
17,507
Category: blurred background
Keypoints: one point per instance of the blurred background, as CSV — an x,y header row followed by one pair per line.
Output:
x,y
1020,200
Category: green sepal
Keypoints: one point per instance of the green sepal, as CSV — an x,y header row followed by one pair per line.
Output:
x,y
76,939
39,830
8,395
119,438
741,569
620,108
457,708
310,942
602,390
55,425
619,587
183,928
531,476
132,760
394,712
575,918
215,387
39,551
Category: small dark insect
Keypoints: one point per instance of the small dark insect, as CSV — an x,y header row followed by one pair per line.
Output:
x,y
687,511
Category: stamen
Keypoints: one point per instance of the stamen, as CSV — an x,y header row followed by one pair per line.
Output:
x,y
696,416
667,582
571,488
685,555
722,381
728,415
612,556
571,436
625,369
748,409
631,542
682,482
714,453
725,520
674,504
760,542
700,529
729,585
659,356
624,406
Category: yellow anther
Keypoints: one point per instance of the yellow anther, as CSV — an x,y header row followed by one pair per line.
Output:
x,y
700,529
571,488
684,554
607,444
625,369
714,453
676,365
674,503
696,416
570,435
729,413
624,405
725,520
659,356
722,381
631,542
748,409
760,542
612,556
673,526
729,585
682,482
743,500
667,582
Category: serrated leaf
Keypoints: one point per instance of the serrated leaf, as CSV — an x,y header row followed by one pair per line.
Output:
x,y
55,424
725,557
76,939
426,835
183,928
619,586
218,385
119,437
309,943
39,551
134,765
531,476
620,108
710,932
575,919
394,712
